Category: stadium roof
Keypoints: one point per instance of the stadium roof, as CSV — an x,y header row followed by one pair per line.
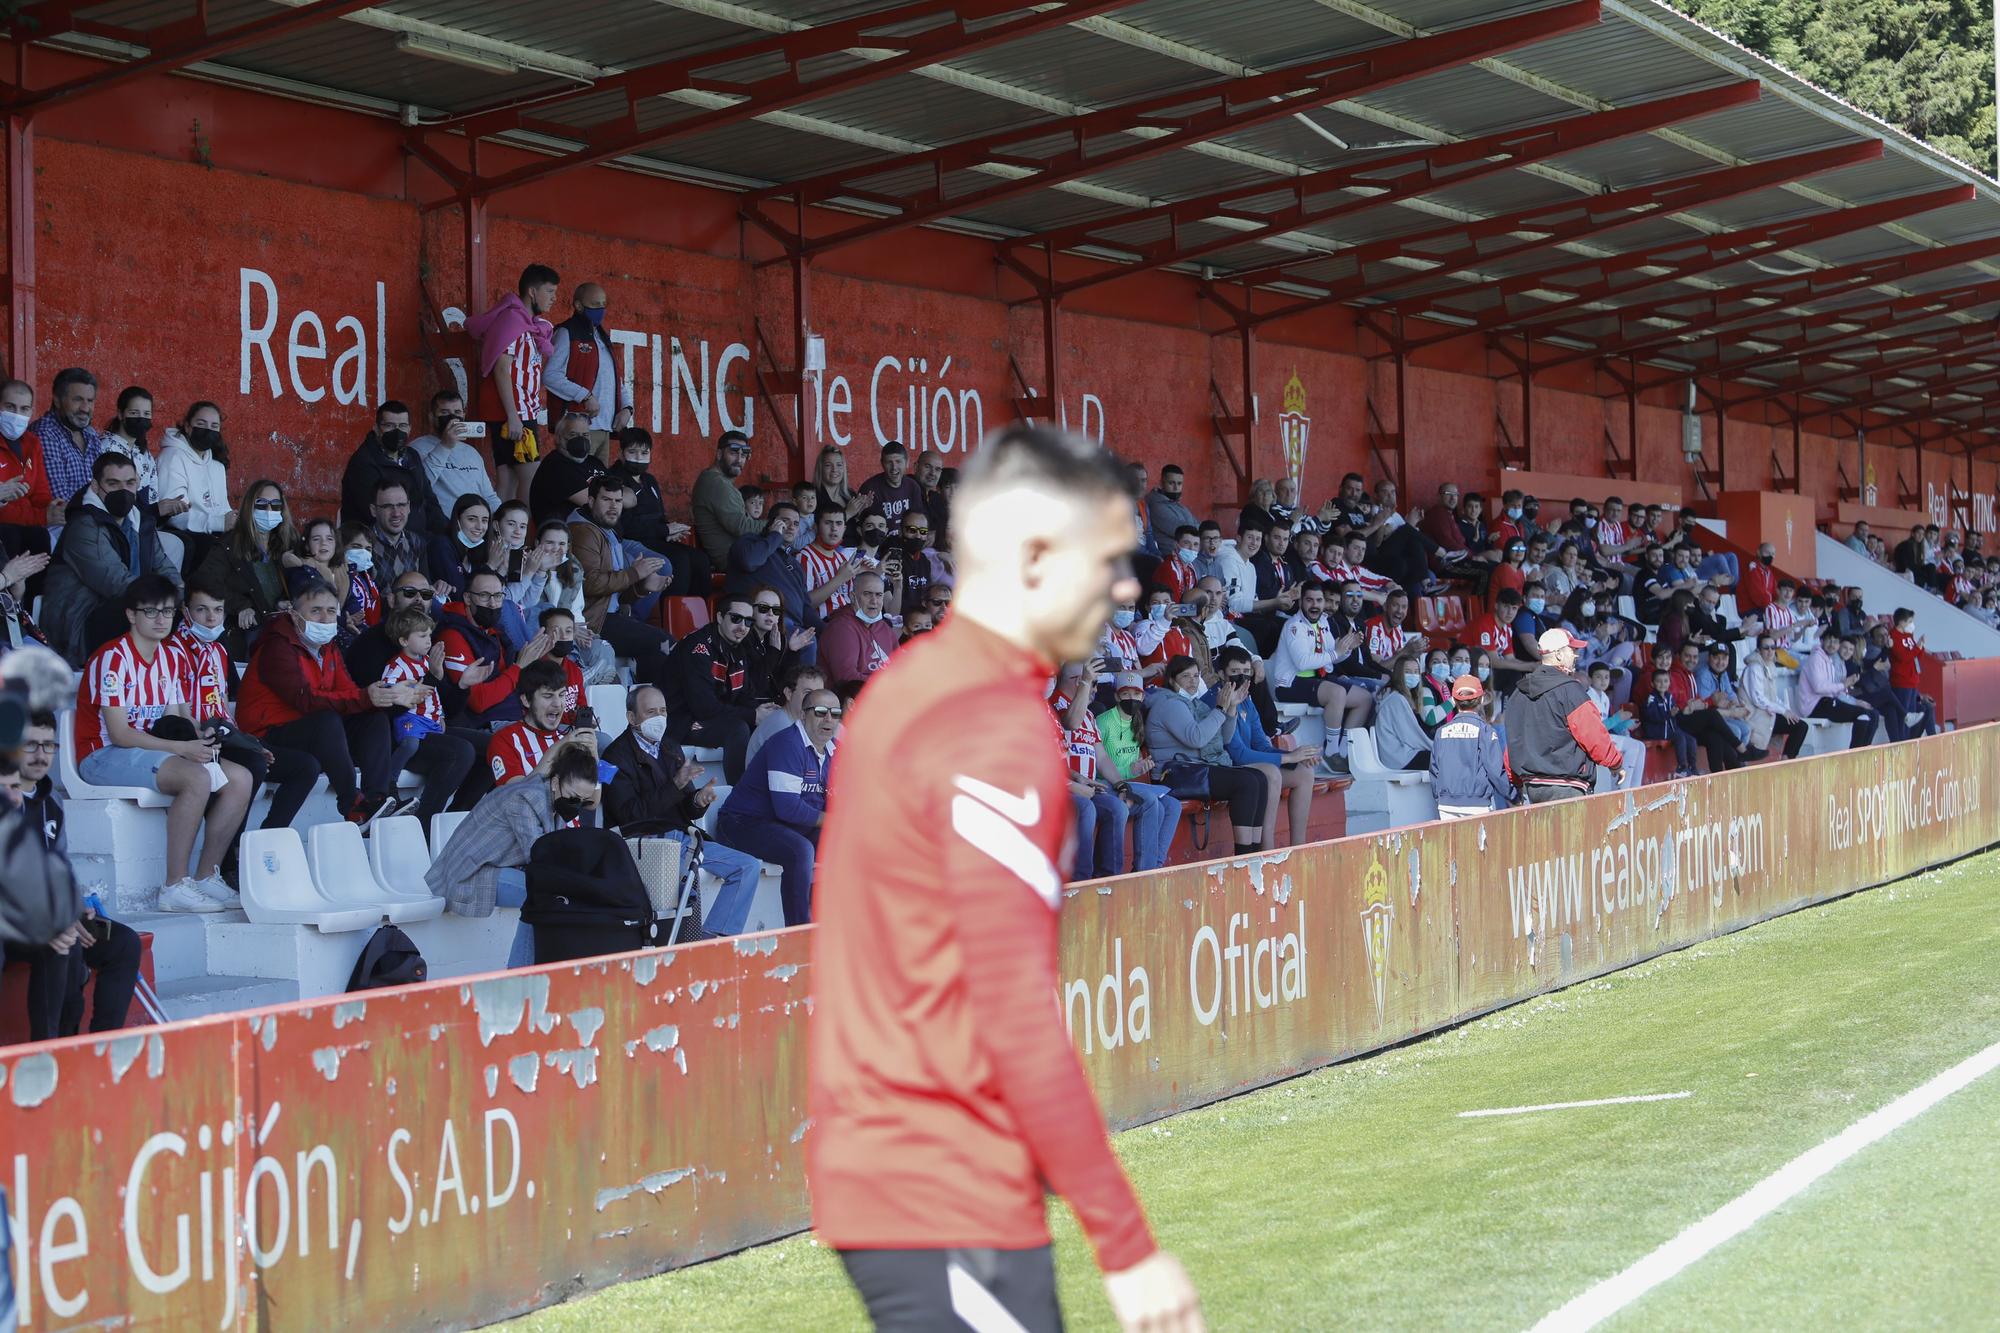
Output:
x,y
1610,179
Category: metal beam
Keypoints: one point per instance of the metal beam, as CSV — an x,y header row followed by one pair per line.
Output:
x,y
1679,260
174,47
1051,152
1871,319
1945,342
1551,225
813,63
1877,329
21,228
1387,179
1991,370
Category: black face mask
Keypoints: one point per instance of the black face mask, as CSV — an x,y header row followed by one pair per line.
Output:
x,y
577,446
119,503
486,617
872,537
633,468
137,427
392,440
205,438
443,424
561,648
1129,707
1765,559
567,808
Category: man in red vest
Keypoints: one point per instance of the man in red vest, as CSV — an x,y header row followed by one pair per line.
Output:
x,y
582,374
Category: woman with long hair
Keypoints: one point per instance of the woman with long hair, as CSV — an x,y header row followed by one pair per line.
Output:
x,y
194,480
1400,739
318,557
455,554
830,475
245,566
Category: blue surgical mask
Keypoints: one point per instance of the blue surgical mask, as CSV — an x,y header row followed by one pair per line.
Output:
x,y
319,633
1485,671
360,560
1412,679
596,317
206,633
1588,608
1515,512
1123,618
1158,613
1535,604
266,519
1182,554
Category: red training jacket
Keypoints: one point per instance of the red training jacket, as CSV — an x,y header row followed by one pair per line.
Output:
x,y
284,682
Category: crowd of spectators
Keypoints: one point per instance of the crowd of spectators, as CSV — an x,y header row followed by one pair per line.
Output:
x,y
431,644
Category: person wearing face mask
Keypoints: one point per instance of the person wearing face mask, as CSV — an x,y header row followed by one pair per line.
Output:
x,y
362,606
582,370
450,459
1177,573
859,639
248,565
298,694
1400,738
563,477
385,457
1119,646
1758,587
645,518
107,541
27,506
777,806
1126,765
194,481
451,556
710,688
129,433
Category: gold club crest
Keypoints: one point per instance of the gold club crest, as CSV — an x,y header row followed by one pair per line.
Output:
x,y
1294,426
1377,913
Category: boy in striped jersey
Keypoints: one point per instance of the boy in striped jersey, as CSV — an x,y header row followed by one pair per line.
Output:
x,y
830,568
518,747
129,685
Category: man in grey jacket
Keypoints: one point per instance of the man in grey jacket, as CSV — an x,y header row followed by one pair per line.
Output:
x,y
1165,513
108,540
39,898
1189,741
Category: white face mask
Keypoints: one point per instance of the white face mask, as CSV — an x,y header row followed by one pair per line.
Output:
x,y
361,560
1588,608
266,520
206,633
864,617
13,425
319,633
653,728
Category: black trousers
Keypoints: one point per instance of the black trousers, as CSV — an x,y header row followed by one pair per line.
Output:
x,y
1541,793
1833,710
294,771
1401,556
933,1291
1712,730
444,761
341,744
56,981
1244,789
479,780
1794,734
645,644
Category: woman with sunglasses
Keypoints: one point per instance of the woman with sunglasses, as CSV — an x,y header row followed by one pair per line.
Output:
x,y
245,566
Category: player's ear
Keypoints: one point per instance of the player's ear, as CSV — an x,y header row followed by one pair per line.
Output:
x,y
1036,552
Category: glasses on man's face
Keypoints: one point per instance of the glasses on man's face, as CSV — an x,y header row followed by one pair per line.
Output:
x,y
738,451
736,617
916,532
386,508
156,612
485,598
824,713
417,594
38,747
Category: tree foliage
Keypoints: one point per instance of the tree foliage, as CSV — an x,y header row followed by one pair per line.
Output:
x,y
1925,66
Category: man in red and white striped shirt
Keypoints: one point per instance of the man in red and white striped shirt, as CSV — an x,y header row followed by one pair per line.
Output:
x,y
1386,636
516,748
830,568
1345,566
128,686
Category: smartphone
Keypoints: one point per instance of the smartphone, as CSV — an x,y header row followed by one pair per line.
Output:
x,y
472,430
1182,610
97,928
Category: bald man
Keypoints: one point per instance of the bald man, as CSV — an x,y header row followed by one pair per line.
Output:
x,y
582,374
945,1092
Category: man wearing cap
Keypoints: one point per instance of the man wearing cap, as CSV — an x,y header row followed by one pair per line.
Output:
x,y
1554,732
1155,812
1468,758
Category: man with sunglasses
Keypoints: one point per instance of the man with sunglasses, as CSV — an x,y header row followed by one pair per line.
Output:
x,y
709,687
946,1094
771,648
720,516
775,809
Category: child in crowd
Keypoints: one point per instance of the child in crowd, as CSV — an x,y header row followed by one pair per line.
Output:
x,y
1632,771
1660,721
417,662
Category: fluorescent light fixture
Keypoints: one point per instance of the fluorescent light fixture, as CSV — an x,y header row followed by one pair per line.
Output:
x,y
454,54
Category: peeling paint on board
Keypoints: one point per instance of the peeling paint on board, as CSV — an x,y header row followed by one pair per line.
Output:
x,y
580,1065
125,1053
34,1080
525,1071
349,1011
652,1184
503,1002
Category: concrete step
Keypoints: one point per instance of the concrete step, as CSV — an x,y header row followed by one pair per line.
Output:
x,y
198,997
180,940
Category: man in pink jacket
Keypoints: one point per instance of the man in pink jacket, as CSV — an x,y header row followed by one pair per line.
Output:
x,y
858,639
1822,690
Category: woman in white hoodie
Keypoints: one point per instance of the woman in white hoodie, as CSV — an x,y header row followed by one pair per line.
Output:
x,y
194,469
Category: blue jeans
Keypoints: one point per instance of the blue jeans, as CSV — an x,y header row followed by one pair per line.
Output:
x,y
1910,701
1100,834
1722,562
515,621
510,889
1155,815
738,874
792,850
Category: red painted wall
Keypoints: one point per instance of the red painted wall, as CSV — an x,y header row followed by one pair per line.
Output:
x,y
173,214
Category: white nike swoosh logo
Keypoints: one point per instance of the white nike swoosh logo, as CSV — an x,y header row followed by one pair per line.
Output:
x,y
1025,809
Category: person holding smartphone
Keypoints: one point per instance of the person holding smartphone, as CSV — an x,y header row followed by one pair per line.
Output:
x,y
58,970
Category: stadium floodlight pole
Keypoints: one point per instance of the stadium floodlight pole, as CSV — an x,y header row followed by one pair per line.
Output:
x,y
1390,178
1669,262
1541,228
810,64
1052,152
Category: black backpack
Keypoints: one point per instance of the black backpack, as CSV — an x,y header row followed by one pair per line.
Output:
x,y
390,958
585,897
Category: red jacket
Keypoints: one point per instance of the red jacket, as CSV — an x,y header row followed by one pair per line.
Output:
x,y
1757,589
22,461
285,681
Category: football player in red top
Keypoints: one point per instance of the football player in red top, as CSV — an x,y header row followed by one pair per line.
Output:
x,y
945,1093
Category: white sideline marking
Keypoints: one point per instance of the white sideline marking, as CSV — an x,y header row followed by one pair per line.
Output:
x,y
1567,1106
1763,1198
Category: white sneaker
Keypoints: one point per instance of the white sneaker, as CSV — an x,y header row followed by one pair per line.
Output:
x,y
217,888
183,896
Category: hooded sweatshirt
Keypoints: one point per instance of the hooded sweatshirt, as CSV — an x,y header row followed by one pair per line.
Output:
x,y
1554,732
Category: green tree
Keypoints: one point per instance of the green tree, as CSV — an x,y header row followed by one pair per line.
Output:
x,y
1925,66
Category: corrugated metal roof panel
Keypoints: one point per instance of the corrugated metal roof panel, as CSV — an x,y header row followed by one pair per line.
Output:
x,y
1466,102
1262,33
1082,68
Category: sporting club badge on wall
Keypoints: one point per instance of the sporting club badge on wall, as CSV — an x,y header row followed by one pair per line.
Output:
x,y
1294,426
1377,914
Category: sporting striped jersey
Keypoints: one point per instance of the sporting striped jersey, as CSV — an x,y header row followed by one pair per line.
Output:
x,y
528,402
1080,743
206,673
1612,533
406,670
1373,584
1385,640
516,749
119,675
363,598
819,564
1487,632
1119,649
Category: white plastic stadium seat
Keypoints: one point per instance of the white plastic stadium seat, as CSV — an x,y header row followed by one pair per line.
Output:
x,y
399,858
77,789
339,862
1628,608
1363,761
278,889
1311,730
443,825
608,703
714,811
700,755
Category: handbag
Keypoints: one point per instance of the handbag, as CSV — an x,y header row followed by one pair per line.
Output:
x,y
1186,779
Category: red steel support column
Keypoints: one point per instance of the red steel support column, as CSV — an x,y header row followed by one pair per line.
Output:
x,y
21,241
474,207
801,319
1051,330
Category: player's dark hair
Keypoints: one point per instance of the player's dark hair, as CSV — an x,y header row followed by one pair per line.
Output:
x,y
544,673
